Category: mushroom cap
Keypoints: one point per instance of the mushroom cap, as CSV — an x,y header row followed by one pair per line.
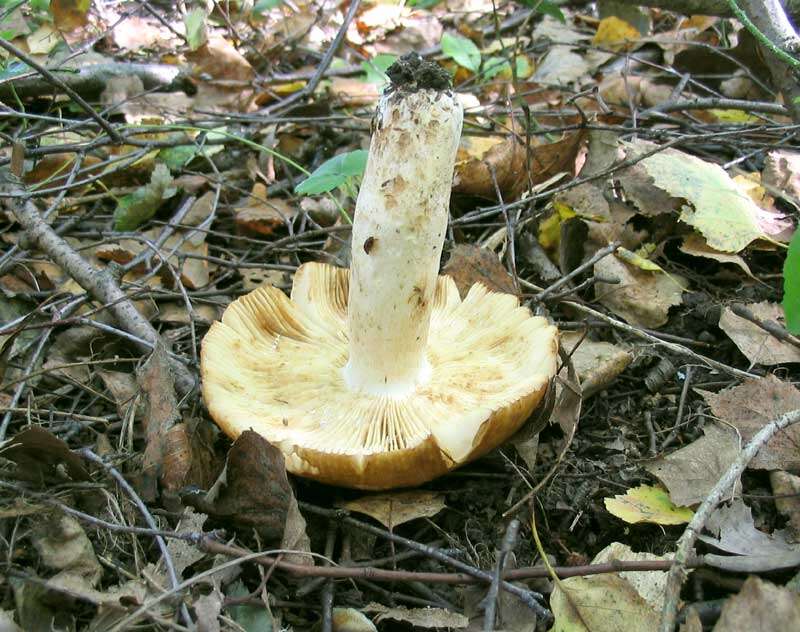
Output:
x,y
274,364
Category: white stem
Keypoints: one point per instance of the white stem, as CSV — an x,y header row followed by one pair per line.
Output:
x,y
398,234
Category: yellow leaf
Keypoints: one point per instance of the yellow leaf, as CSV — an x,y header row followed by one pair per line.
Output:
x,y
615,33
550,228
734,116
647,504
395,508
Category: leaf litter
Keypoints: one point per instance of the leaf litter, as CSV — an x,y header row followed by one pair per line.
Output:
x,y
548,175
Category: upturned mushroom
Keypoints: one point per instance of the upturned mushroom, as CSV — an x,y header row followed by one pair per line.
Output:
x,y
383,376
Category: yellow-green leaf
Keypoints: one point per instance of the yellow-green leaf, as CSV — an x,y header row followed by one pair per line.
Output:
x,y
647,504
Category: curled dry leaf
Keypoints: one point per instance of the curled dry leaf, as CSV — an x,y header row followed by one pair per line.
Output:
x,y
694,245
253,491
751,405
41,457
262,215
758,345
503,163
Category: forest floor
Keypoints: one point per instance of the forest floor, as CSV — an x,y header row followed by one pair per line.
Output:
x,y
630,175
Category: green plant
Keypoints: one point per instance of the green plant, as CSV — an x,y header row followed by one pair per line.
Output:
x,y
791,285
334,173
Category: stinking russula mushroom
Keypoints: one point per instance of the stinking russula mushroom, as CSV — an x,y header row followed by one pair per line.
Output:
x,y
382,376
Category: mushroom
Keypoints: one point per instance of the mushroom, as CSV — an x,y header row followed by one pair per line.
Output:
x,y
383,376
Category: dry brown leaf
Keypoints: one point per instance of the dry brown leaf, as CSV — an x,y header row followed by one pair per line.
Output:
x,y
137,33
41,457
123,389
751,405
261,215
253,491
781,174
761,606
694,245
759,346
505,160
63,545
469,264
420,617
786,488
351,91
394,509
69,15
641,298
689,474
161,415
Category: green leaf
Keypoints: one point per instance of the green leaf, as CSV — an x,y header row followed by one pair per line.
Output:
x,y
262,6
462,51
136,208
195,22
177,157
250,618
495,65
334,172
423,4
647,504
546,7
376,68
791,285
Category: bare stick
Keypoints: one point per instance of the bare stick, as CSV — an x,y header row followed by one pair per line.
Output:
x,y
677,573
670,346
99,283
600,254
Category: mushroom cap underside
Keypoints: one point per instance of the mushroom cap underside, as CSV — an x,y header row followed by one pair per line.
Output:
x,y
274,365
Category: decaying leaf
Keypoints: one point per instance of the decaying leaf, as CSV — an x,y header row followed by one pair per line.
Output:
x,y
641,298
396,508
469,264
135,209
600,603
647,504
41,457
253,491
651,585
758,345
760,605
781,175
63,546
751,405
691,472
786,488
501,167
419,617
261,214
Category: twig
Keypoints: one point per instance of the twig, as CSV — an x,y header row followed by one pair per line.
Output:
x,y
677,572
527,596
509,542
99,283
600,254
55,81
670,346
687,380
87,454
770,326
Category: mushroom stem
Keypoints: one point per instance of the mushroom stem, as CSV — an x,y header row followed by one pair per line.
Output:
x,y
398,233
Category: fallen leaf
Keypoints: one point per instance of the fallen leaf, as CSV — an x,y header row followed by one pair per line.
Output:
x,y
161,416
469,264
759,346
641,298
63,546
351,620
791,285
397,508
253,491
261,215
208,608
751,405
43,40
419,617
647,504
615,34
691,472
760,605
716,206
69,15
694,245
503,163
786,488
135,209
650,585
561,66
123,389
184,553
40,455
597,363
249,617
600,603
